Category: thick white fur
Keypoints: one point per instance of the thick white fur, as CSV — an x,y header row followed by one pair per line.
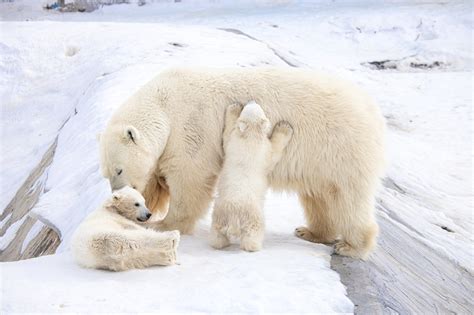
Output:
x,y
111,238
334,161
249,156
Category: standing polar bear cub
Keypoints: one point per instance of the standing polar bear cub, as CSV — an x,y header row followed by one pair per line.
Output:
x,y
249,156
111,238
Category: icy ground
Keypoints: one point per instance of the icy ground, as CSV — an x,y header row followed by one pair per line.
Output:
x,y
61,76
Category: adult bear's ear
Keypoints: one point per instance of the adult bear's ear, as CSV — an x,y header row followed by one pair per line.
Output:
x,y
131,134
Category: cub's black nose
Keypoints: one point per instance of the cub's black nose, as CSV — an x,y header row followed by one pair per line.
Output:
x,y
148,215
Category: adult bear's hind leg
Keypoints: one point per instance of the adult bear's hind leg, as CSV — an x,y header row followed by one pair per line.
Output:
x,y
358,233
342,218
321,227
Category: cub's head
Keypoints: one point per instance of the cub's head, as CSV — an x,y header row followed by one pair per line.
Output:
x,y
130,204
252,120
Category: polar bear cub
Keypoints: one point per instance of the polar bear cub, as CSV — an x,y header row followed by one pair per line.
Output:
x,y
111,237
249,156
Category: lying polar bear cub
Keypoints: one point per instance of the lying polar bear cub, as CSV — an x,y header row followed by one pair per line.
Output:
x,y
111,238
249,156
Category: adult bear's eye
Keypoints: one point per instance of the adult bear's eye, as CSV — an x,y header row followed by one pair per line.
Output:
x,y
119,172
137,204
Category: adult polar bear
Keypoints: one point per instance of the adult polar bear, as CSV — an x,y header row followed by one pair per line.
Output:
x,y
170,132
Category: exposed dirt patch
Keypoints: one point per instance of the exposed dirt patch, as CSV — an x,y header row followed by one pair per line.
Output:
x,y
177,44
47,240
406,64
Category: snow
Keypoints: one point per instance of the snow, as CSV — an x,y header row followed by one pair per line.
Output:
x,y
62,75
289,276
10,234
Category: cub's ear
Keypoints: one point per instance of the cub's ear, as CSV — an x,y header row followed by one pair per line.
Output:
x,y
264,125
116,196
131,134
97,136
243,126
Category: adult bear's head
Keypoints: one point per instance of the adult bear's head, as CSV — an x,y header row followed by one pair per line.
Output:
x,y
129,156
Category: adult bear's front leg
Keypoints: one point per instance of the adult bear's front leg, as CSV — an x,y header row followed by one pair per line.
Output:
x,y
190,199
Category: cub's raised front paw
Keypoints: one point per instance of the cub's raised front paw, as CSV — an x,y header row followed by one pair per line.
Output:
x,y
283,127
234,110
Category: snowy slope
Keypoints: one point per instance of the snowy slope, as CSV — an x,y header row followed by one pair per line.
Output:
x,y
289,276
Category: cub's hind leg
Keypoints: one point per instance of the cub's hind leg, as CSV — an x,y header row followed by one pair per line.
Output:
x,y
218,240
218,237
127,249
252,228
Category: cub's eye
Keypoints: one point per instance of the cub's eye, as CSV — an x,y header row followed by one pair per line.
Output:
x,y
119,172
134,187
137,204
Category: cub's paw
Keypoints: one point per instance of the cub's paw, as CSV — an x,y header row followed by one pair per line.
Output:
x,y
167,258
234,109
167,241
218,240
174,237
157,226
283,127
250,244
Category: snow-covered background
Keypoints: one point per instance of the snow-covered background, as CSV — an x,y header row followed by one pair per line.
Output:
x,y
63,74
